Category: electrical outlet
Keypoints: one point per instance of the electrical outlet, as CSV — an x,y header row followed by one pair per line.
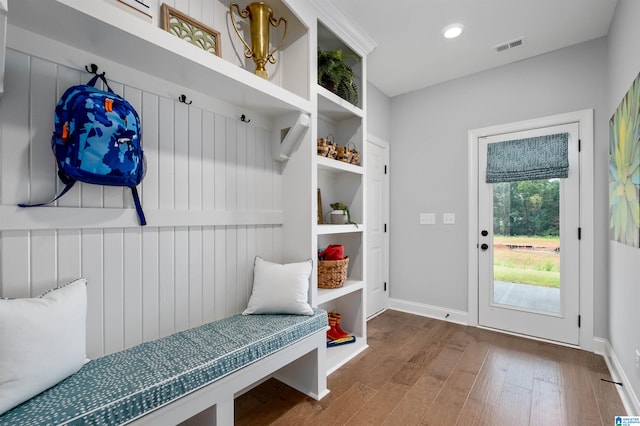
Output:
x,y
449,218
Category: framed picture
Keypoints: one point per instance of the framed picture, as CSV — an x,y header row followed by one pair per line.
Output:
x,y
320,215
140,8
187,28
624,169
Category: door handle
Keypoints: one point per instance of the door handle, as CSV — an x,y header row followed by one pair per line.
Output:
x,y
484,246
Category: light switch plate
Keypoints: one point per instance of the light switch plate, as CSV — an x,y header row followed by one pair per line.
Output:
x,y
449,218
427,218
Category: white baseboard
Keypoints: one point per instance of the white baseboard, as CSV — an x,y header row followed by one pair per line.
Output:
x,y
451,315
627,395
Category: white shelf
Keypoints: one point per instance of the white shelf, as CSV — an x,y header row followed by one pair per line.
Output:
x,y
328,294
340,355
334,107
332,165
103,29
339,229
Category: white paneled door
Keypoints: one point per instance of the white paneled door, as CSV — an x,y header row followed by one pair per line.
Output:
x,y
528,251
377,158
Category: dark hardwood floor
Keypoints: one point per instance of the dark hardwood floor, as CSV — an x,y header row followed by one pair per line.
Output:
x,y
425,371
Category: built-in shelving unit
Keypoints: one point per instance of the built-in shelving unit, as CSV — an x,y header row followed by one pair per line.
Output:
x,y
343,182
298,109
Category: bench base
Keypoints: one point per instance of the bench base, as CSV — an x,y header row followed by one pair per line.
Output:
x,y
300,365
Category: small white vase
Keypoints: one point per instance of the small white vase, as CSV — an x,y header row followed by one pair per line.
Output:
x,y
338,217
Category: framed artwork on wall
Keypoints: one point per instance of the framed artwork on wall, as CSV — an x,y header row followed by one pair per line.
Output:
x,y
140,8
187,28
624,169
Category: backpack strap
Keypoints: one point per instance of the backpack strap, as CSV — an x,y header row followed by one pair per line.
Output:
x,y
69,182
136,201
95,78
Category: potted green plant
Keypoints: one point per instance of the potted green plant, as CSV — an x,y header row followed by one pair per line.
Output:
x,y
335,75
340,214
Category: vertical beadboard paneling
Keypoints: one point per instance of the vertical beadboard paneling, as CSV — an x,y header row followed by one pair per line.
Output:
x,y
69,255
208,161
14,116
242,264
182,279
181,156
220,164
231,278
43,261
143,283
195,276
150,136
166,277
165,155
150,284
231,176
92,270
113,259
195,159
220,272
208,275
14,273
42,101
250,170
241,170
132,292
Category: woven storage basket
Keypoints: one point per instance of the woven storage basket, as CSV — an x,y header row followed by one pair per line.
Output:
x,y
332,273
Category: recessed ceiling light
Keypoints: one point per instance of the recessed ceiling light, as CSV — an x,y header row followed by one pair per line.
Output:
x,y
452,31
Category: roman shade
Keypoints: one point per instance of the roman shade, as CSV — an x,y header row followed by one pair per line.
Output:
x,y
542,157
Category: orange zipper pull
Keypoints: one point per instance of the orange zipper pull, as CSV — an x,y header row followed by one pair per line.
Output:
x,y
108,105
65,131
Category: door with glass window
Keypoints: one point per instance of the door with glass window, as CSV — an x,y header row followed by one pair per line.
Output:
x,y
529,222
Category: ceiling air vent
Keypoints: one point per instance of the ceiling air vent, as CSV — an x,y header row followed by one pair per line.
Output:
x,y
511,44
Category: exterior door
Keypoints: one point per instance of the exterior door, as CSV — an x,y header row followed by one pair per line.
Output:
x,y
528,254
377,156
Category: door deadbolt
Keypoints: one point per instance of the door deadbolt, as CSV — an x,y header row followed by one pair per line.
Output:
x,y
484,233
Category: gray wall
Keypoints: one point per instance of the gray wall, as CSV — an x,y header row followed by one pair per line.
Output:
x,y
624,281
429,164
378,113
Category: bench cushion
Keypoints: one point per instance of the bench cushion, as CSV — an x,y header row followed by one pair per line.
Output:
x,y
125,385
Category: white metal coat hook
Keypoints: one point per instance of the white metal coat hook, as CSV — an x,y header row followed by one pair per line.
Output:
x,y
245,119
183,99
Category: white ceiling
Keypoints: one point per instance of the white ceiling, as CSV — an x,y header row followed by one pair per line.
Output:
x,y
412,54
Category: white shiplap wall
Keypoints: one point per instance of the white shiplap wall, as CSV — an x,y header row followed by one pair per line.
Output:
x,y
212,195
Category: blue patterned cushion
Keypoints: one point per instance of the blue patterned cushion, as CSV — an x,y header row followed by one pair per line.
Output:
x,y
125,385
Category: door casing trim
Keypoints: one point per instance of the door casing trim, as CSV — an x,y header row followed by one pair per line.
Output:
x,y
584,118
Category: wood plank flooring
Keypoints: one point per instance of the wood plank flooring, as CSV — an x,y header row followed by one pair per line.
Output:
x,y
422,371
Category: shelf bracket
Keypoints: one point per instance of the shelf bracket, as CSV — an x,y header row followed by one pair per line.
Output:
x,y
289,131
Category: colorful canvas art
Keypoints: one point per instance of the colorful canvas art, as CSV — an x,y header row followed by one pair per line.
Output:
x,y
624,169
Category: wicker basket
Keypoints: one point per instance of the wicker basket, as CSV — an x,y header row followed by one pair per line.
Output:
x,y
332,273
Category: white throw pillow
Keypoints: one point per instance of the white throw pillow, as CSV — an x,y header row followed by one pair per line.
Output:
x,y
42,341
280,289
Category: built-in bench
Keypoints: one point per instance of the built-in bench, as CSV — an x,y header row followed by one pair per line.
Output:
x,y
169,380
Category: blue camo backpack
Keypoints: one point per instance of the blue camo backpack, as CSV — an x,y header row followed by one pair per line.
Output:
x,y
97,139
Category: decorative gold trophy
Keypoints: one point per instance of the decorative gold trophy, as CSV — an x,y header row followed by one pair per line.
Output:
x,y
260,16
